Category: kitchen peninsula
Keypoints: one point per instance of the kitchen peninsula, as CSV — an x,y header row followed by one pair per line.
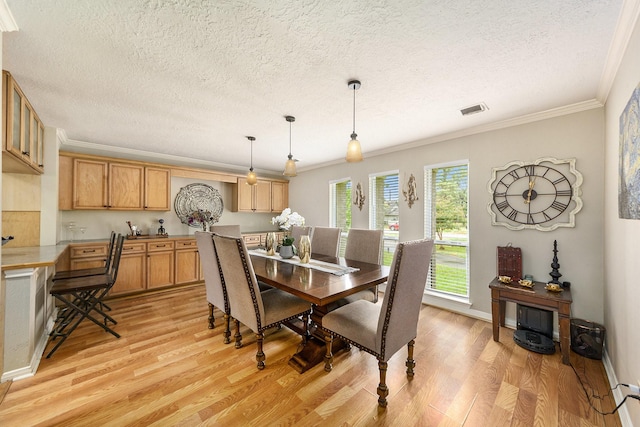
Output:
x,y
28,307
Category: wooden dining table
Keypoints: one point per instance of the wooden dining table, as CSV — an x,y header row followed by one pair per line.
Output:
x,y
320,288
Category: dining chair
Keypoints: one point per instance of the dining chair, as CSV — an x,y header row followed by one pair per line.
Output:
x,y
226,230
81,297
257,310
68,274
381,329
365,246
325,241
216,294
233,231
298,231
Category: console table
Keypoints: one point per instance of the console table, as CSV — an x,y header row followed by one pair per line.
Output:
x,y
537,297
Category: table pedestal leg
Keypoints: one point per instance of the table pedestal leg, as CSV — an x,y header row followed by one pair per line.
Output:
x,y
313,351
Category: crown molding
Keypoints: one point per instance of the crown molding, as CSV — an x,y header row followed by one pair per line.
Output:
x,y
629,14
7,22
71,145
516,121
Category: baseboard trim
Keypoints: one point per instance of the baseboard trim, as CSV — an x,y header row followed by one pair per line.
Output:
x,y
625,419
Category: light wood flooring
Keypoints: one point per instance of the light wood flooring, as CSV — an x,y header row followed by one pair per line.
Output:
x,y
169,369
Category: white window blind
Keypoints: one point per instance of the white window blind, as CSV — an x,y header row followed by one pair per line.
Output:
x,y
447,222
340,208
383,210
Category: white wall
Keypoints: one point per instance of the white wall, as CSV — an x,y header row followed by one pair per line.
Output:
x,y
579,135
621,246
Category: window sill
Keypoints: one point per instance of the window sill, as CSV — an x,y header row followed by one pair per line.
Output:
x,y
446,300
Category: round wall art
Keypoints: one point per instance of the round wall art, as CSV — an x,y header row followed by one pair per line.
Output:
x,y
198,205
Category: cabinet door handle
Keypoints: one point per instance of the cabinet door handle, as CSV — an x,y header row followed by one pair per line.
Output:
x,y
86,251
26,153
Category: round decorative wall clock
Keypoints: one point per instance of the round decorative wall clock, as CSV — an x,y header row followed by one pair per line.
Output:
x,y
544,194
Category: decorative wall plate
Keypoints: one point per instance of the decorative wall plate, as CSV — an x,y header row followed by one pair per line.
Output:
x,y
198,198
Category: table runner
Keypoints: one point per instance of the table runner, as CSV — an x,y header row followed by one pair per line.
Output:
x,y
327,267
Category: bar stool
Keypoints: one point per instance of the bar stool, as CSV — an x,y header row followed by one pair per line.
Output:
x,y
81,297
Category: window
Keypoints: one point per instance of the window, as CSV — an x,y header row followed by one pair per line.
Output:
x,y
446,221
383,210
340,208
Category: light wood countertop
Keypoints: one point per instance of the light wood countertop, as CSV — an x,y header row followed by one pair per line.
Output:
x,y
32,256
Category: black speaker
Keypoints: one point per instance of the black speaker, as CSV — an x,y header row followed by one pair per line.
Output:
x,y
587,338
535,329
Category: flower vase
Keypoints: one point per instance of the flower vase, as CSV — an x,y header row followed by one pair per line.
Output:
x,y
304,249
270,244
286,252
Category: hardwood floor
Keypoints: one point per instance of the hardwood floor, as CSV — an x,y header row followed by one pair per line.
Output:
x,y
169,369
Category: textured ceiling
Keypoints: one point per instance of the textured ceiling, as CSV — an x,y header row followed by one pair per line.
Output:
x,y
192,78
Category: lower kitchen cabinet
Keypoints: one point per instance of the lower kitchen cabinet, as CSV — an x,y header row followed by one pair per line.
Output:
x,y
187,262
132,273
160,264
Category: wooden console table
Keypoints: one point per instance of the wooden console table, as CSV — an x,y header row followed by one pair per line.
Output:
x,y
537,297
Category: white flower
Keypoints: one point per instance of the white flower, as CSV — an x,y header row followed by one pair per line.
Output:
x,y
287,219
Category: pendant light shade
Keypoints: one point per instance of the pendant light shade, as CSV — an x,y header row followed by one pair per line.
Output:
x,y
252,179
354,151
290,165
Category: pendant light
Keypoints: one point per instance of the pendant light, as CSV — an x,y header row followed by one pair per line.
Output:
x,y
354,152
290,165
252,179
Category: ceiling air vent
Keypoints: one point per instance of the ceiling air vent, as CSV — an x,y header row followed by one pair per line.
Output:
x,y
478,108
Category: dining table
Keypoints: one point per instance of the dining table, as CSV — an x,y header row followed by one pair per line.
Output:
x,y
322,282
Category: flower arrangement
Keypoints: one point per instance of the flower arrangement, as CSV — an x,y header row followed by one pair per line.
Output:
x,y
285,221
200,217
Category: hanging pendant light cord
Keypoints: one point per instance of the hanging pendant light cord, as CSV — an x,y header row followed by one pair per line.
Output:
x,y
290,156
251,167
354,110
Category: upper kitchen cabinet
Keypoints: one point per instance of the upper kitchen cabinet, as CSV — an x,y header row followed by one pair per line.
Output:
x,y
95,183
279,196
23,136
157,189
265,196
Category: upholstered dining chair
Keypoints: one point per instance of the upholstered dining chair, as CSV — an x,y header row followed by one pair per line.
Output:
x,y
365,246
216,294
233,231
257,310
298,231
226,230
381,329
325,241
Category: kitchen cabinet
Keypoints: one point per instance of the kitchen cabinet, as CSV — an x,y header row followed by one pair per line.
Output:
x,y
132,271
157,189
252,198
265,196
96,183
92,255
279,196
160,264
187,262
23,136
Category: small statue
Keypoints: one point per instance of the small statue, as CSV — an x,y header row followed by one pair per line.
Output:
x,y
161,230
555,274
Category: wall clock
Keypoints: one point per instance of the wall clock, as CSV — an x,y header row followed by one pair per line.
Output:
x,y
544,194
